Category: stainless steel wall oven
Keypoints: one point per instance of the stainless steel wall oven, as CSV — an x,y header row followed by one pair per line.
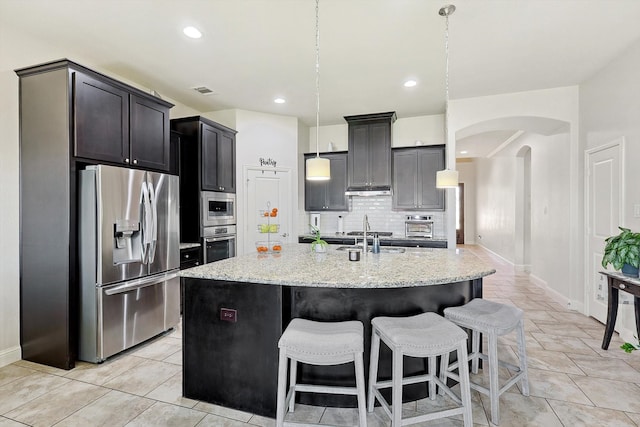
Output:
x,y
219,243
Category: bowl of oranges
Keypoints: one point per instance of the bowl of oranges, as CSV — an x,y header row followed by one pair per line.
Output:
x,y
270,213
264,247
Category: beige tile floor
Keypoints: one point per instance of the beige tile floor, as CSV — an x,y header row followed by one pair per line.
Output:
x,y
573,382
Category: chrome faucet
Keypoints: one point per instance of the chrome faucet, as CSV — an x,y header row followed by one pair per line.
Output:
x,y
365,228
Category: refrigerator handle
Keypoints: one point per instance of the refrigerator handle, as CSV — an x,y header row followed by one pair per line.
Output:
x,y
146,222
141,283
153,206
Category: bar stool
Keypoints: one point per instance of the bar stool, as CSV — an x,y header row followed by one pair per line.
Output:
x,y
493,319
426,335
320,343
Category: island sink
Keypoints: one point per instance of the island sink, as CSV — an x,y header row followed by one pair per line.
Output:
x,y
383,250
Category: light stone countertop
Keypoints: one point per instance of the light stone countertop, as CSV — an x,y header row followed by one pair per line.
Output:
x,y
189,245
297,265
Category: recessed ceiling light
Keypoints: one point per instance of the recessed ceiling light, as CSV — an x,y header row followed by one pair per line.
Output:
x,y
410,83
279,100
192,32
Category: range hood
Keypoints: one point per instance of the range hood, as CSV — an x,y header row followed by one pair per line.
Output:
x,y
368,192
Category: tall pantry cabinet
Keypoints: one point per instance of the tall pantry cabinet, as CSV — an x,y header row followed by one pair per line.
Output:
x,y
70,116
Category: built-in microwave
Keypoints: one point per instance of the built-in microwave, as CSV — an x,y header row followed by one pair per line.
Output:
x,y
419,226
217,208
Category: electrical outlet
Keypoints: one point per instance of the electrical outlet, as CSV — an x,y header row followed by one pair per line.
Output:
x,y
228,315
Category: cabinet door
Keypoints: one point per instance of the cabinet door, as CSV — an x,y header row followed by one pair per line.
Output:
x,y
226,162
101,120
359,155
210,140
405,179
150,147
379,148
430,160
336,200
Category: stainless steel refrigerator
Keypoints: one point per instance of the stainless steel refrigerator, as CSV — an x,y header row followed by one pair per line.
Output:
x,y
129,248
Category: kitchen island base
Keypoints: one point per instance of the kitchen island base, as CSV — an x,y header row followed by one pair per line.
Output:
x,y
231,332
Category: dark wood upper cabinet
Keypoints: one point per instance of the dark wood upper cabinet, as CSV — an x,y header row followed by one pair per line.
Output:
x,y
210,148
328,195
414,178
115,125
149,144
101,113
369,158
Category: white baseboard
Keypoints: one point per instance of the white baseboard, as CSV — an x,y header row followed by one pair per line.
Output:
x,y
552,293
10,355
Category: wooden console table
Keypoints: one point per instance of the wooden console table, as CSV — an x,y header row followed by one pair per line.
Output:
x,y
618,281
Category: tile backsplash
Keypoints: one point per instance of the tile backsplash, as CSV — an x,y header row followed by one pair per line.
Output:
x,y
380,214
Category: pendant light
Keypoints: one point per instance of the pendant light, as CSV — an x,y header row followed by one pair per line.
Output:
x,y
318,169
446,178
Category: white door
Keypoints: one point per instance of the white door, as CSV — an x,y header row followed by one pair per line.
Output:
x,y
268,208
604,198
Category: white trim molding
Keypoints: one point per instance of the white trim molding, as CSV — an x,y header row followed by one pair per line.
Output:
x,y
10,355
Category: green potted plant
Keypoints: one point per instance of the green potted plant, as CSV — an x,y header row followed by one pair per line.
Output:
x,y
318,245
623,252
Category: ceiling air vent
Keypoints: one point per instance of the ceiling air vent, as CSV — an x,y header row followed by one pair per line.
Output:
x,y
203,90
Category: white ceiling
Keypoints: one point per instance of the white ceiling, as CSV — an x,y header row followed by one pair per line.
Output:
x,y
253,51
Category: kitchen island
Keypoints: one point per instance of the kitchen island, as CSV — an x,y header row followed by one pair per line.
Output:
x,y
236,309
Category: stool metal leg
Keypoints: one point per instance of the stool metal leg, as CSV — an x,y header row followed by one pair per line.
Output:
x,y
373,369
522,355
293,376
396,391
362,405
494,390
282,386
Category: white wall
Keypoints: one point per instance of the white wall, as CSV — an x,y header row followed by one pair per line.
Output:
x,y
609,109
556,174
407,132
267,136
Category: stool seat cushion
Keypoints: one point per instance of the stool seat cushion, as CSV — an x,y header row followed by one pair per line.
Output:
x,y
485,315
421,335
323,342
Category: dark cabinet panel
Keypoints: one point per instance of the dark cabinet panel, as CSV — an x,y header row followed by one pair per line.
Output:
x,y
369,159
414,178
226,162
359,155
114,125
380,154
218,159
328,195
101,113
149,147
210,142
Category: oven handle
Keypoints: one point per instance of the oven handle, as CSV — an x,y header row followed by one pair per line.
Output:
x,y
140,283
219,239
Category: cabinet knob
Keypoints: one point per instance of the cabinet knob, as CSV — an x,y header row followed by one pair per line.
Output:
x,y
186,255
197,263
622,286
135,161
126,160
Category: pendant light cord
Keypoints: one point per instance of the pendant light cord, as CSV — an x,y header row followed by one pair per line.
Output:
x,y
446,78
317,78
